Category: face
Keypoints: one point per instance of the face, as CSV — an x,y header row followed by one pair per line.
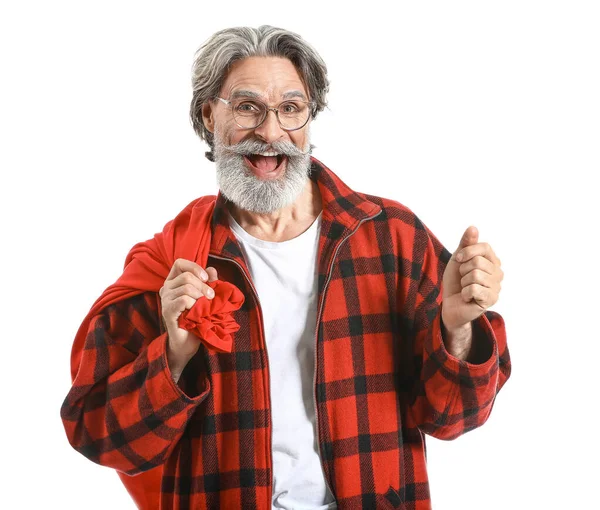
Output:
x,y
266,168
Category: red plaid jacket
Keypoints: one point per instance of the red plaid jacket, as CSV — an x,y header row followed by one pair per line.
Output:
x,y
382,377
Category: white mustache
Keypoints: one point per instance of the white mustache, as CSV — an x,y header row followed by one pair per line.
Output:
x,y
248,147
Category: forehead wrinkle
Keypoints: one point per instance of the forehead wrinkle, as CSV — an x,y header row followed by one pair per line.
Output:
x,y
265,78
269,93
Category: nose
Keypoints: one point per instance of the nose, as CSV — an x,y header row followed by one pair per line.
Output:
x,y
270,130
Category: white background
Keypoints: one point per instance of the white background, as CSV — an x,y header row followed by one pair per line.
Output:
x,y
470,113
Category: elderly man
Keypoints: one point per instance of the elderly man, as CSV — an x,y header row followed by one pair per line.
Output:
x,y
330,332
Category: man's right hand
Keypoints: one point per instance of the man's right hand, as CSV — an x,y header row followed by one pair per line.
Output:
x,y
183,286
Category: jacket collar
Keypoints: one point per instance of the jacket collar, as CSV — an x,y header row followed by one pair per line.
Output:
x,y
343,210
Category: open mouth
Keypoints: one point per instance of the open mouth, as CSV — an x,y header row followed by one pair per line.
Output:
x,y
265,163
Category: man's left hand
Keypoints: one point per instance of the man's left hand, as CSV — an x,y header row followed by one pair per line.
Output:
x,y
471,284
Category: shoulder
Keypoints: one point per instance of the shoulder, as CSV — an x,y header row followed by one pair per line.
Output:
x,y
197,206
407,227
394,213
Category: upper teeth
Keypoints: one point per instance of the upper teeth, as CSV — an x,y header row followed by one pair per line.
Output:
x,y
269,154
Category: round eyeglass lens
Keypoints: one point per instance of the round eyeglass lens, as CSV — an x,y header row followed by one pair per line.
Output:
x,y
291,114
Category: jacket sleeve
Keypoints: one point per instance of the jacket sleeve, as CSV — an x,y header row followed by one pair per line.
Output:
x,y
124,409
450,396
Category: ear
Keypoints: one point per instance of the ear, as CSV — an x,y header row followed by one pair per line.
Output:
x,y
207,116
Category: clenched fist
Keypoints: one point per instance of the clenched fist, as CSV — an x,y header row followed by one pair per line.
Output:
x,y
183,286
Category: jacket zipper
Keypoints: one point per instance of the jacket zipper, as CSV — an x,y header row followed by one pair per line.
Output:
x,y
329,273
248,279
268,364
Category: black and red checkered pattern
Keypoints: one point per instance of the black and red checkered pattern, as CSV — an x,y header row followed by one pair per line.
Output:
x,y
383,378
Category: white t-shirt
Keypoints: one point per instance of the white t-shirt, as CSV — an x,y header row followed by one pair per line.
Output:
x,y
285,277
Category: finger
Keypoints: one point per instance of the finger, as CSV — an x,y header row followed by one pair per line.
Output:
x,y
480,277
212,274
187,289
183,278
483,249
173,309
188,278
182,265
477,262
183,303
469,237
477,294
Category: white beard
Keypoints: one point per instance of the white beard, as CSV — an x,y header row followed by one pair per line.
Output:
x,y
239,185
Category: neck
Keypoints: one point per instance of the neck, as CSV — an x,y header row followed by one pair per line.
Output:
x,y
285,223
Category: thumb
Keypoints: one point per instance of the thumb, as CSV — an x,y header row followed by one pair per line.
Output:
x,y
470,237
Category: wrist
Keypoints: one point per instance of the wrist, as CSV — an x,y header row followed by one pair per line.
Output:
x,y
458,341
176,360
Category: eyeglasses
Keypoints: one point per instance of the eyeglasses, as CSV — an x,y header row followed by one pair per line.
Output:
x,y
251,113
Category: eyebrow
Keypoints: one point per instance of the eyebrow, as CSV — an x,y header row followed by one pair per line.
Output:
x,y
244,93
294,93
256,95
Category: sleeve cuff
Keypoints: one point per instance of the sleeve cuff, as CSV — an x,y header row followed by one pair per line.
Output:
x,y
483,333
158,350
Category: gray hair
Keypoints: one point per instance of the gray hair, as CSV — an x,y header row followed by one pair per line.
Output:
x,y
214,58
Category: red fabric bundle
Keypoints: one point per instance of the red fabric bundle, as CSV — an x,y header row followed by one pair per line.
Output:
x,y
147,266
